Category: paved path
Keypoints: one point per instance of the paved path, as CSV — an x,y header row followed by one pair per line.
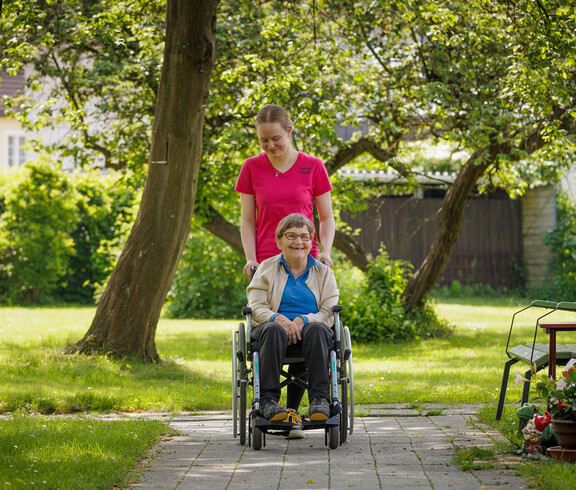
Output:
x,y
383,452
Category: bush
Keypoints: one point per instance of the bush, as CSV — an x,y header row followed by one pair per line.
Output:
x,y
38,216
209,281
60,234
106,211
373,306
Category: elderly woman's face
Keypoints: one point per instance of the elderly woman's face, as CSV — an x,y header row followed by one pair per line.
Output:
x,y
296,243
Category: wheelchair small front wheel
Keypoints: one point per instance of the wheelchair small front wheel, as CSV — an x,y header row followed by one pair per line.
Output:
x,y
257,437
333,437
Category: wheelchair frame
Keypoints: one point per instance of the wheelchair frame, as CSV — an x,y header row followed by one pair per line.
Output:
x,y
245,373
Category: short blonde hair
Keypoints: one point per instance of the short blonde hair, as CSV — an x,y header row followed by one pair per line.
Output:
x,y
294,220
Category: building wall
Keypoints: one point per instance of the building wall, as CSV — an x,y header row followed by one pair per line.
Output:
x,y
538,218
8,127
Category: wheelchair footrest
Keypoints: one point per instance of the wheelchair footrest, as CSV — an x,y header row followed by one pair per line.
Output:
x,y
274,428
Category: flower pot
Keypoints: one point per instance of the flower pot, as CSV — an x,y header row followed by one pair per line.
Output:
x,y
565,433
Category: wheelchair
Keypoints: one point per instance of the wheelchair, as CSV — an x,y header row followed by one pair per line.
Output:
x,y
245,374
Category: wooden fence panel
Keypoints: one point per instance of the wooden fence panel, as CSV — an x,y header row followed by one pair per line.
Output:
x,y
488,251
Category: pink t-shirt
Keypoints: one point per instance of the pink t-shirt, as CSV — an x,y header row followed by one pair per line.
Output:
x,y
278,194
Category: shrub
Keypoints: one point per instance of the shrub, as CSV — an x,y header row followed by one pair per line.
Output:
x,y
60,234
106,211
373,305
456,289
209,281
38,216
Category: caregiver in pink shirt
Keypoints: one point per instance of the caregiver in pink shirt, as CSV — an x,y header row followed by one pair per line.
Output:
x,y
277,182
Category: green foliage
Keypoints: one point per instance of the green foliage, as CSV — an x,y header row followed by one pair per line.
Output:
x,y
456,289
468,74
374,307
59,234
96,72
209,281
562,240
559,394
35,233
106,210
474,458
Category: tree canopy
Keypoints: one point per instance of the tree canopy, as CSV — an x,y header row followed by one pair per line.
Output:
x,y
495,80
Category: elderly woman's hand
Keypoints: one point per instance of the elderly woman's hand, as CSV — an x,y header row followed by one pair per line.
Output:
x,y
293,328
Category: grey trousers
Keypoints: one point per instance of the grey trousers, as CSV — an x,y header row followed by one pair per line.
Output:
x,y
316,341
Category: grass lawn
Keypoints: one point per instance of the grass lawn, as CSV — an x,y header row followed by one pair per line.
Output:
x,y
64,453
37,376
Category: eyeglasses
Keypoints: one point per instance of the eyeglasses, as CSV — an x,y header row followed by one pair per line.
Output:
x,y
293,236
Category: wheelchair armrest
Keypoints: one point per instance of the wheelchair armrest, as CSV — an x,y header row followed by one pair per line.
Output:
x,y
246,310
337,308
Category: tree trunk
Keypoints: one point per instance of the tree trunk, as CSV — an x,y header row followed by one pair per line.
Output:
x,y
452,214
127,315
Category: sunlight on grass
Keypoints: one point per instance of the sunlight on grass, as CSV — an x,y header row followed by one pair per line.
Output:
x,y
195,372
37,376
42,452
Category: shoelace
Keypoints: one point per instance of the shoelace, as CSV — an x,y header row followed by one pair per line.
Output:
x,y
294,418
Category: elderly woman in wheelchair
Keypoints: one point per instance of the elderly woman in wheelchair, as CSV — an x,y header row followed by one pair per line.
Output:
x,y
291,296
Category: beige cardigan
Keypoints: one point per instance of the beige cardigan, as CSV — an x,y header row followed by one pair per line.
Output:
x,y
266,288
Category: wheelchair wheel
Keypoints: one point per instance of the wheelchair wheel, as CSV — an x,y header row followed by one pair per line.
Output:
x,y
344,412
243,382
343,389
235,382
348,345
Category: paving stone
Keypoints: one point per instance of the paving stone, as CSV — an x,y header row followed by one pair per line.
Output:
x,y
399,451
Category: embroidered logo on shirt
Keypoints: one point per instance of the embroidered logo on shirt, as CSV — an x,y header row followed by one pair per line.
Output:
x,y
304,170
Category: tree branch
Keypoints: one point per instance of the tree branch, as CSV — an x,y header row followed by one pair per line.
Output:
x,y
366,145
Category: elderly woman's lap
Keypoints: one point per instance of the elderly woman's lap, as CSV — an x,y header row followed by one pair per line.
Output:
x,y
315,345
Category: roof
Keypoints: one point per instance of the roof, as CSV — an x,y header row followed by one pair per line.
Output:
x,y
10,85
390,177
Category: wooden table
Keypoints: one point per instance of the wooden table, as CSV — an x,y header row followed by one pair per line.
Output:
x,y
551,329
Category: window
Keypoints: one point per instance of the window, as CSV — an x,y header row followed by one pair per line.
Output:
x,y
16,152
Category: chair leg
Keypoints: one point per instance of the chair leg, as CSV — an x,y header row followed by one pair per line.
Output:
x,y
526,389
502,396
524,399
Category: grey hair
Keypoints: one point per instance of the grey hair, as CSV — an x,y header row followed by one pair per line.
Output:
x,y
294,220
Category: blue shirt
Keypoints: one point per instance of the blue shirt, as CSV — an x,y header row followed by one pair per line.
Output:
x,y
297,298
